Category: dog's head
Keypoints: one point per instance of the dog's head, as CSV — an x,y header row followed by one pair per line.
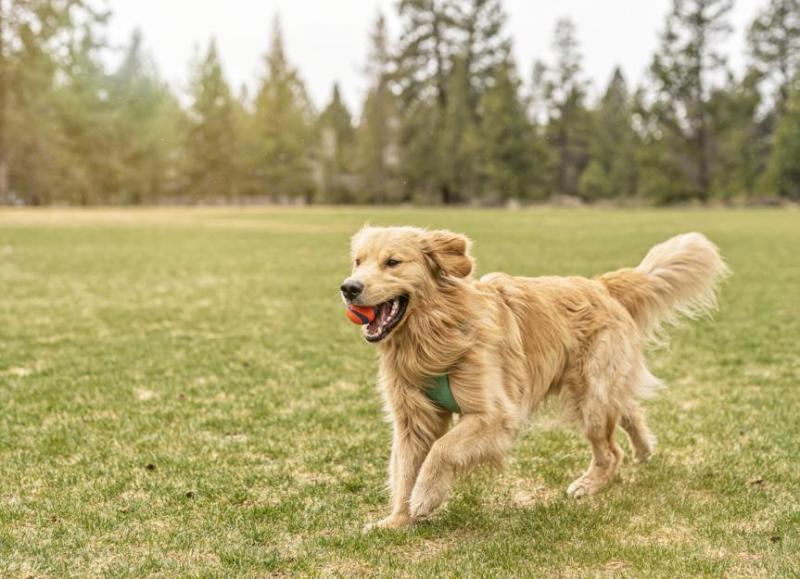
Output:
x,y
396,269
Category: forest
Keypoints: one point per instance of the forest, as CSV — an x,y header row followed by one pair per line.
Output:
x,y
449,117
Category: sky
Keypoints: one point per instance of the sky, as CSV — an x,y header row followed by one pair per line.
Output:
x,y
328,40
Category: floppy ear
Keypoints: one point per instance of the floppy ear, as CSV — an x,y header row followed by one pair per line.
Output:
x,y
449,252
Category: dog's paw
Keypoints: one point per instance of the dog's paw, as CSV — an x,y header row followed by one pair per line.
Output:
x,y
644,452
390,522
583,487
424,502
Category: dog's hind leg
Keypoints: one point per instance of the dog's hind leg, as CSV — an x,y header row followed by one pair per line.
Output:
x,y
642,440
599,428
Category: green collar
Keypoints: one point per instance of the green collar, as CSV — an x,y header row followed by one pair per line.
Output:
x,y
439,393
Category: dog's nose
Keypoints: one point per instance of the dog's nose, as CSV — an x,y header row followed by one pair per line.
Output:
x,y
351,288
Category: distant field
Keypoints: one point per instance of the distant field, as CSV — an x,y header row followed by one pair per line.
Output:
x,y
182,395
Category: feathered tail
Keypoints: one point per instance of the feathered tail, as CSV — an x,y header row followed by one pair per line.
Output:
x,y
679,277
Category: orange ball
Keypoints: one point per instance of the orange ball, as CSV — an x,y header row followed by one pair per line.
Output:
x,y
360,314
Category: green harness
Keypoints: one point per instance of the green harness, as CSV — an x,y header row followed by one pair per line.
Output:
x,y
439,393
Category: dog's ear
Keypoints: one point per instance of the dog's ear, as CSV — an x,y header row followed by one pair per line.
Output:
x,y
449,252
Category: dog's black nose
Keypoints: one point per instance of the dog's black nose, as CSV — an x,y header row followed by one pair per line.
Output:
x,y
351,289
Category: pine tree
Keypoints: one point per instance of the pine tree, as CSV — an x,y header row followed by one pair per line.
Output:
x,y
460,143
683,71
508,149
741,137
38,39
337,137
782,176
87,124
481,58
4,191
421,78
376,137
569,121
484,45
659,163
147,129
774,45
210,165
283,127
612,170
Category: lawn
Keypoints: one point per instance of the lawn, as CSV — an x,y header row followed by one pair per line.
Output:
x,y
182,395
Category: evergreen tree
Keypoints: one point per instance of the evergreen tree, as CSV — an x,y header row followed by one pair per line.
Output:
x,y
659,158
508,151
210,164
283,127
4,190
421,76
484,46
683,72
337,137
38,39
460,143
774,45
568,119
612,170
376,138
783,172
86,120
147,129
741,138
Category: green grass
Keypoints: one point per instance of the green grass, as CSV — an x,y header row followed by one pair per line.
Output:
x,y
182,395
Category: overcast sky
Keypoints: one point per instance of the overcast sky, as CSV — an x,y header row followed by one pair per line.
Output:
x,y
327,40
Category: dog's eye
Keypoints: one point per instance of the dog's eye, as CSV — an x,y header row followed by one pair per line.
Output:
x,y
392,263
358,262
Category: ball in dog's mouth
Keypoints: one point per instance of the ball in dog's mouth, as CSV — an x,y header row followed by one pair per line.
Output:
x,y
387,316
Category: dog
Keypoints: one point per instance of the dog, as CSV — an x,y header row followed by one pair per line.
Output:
x,y
505,344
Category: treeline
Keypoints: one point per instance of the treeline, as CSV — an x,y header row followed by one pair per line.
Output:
x,y
448,118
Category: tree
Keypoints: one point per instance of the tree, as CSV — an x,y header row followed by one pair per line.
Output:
x,y
376,137
86,122
741,137
337,137
147,129
782,176
568,119
283,129
659,163
508,150
459,154
774,45
210,164
421,78
683,71
3,108
483,46
613,144
38,39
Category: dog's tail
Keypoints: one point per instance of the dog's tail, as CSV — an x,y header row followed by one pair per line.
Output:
x,y
679,277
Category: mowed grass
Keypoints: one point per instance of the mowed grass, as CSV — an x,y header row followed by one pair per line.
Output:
x,y
182,395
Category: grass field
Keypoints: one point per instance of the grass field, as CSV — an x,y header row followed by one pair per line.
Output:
x,y
181,395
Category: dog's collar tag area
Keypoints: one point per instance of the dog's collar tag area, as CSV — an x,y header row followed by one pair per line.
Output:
x,y
439,392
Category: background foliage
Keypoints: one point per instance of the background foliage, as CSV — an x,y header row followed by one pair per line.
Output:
x,y
448,118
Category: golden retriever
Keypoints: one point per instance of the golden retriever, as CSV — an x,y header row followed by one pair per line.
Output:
x,y
506,343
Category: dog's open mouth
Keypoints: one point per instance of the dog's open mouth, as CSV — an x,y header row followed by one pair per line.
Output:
x,y
387,316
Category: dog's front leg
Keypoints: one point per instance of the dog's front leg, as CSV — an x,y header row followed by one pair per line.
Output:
x,y
414,433
473,440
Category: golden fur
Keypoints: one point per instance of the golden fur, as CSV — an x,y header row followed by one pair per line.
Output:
x,y
507,343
